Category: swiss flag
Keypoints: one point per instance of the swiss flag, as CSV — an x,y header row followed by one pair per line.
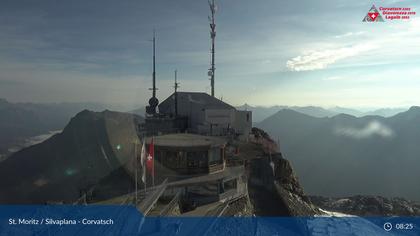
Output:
x,y
373,15
149,159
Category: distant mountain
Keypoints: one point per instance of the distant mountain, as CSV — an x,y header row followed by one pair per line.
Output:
x,y
259,113
386,112
349,111
20,121
314,111
140,111
347,155
91,147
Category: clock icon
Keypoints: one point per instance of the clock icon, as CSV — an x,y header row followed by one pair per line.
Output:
x,y
387,226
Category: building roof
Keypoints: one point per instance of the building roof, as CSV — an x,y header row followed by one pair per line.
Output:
x,y
198,98
186,140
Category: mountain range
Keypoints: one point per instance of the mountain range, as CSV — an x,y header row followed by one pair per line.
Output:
x,y
346,155
260,113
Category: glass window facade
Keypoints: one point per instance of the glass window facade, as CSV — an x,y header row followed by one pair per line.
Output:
x,y
215,156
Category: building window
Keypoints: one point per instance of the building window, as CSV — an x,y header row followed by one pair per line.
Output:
x,y
202,158
229,185
182,159
215,156
171,160
192,160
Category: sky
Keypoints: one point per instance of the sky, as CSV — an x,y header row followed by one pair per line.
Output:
x,y
270,52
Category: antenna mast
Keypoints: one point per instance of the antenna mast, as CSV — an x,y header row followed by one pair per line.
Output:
x,y
153,101
154,64
176,86
213,37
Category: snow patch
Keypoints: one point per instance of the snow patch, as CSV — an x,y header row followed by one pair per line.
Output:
x,y
105,156
333,214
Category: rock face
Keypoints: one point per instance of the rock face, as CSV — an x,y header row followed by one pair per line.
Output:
x,y
19,121
274,189
368,205
92,145
290,191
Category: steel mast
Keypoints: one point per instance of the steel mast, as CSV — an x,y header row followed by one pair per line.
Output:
x,y
176,86
213,37
153,101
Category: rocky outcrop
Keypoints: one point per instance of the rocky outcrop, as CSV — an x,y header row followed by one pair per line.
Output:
x,y
92,146
20,121
368,205
274,189
289,189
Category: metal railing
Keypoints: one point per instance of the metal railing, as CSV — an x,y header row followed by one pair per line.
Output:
x,y
171,204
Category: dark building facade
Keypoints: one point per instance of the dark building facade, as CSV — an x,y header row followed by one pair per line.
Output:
x,y
188,154
207,115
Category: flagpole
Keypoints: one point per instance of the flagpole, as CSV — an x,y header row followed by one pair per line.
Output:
x,y
136,167
153,164
145,169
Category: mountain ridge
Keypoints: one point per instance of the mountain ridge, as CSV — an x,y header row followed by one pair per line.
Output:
x,y
90,147
382,151
262,112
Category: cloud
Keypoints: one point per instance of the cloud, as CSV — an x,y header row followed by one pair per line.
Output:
x,y
266,62
315,60
371,129
348,34
334,78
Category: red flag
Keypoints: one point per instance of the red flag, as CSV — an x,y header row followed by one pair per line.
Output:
x,y
150,157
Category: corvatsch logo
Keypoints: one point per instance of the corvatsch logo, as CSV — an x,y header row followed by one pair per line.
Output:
x,y
373,15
